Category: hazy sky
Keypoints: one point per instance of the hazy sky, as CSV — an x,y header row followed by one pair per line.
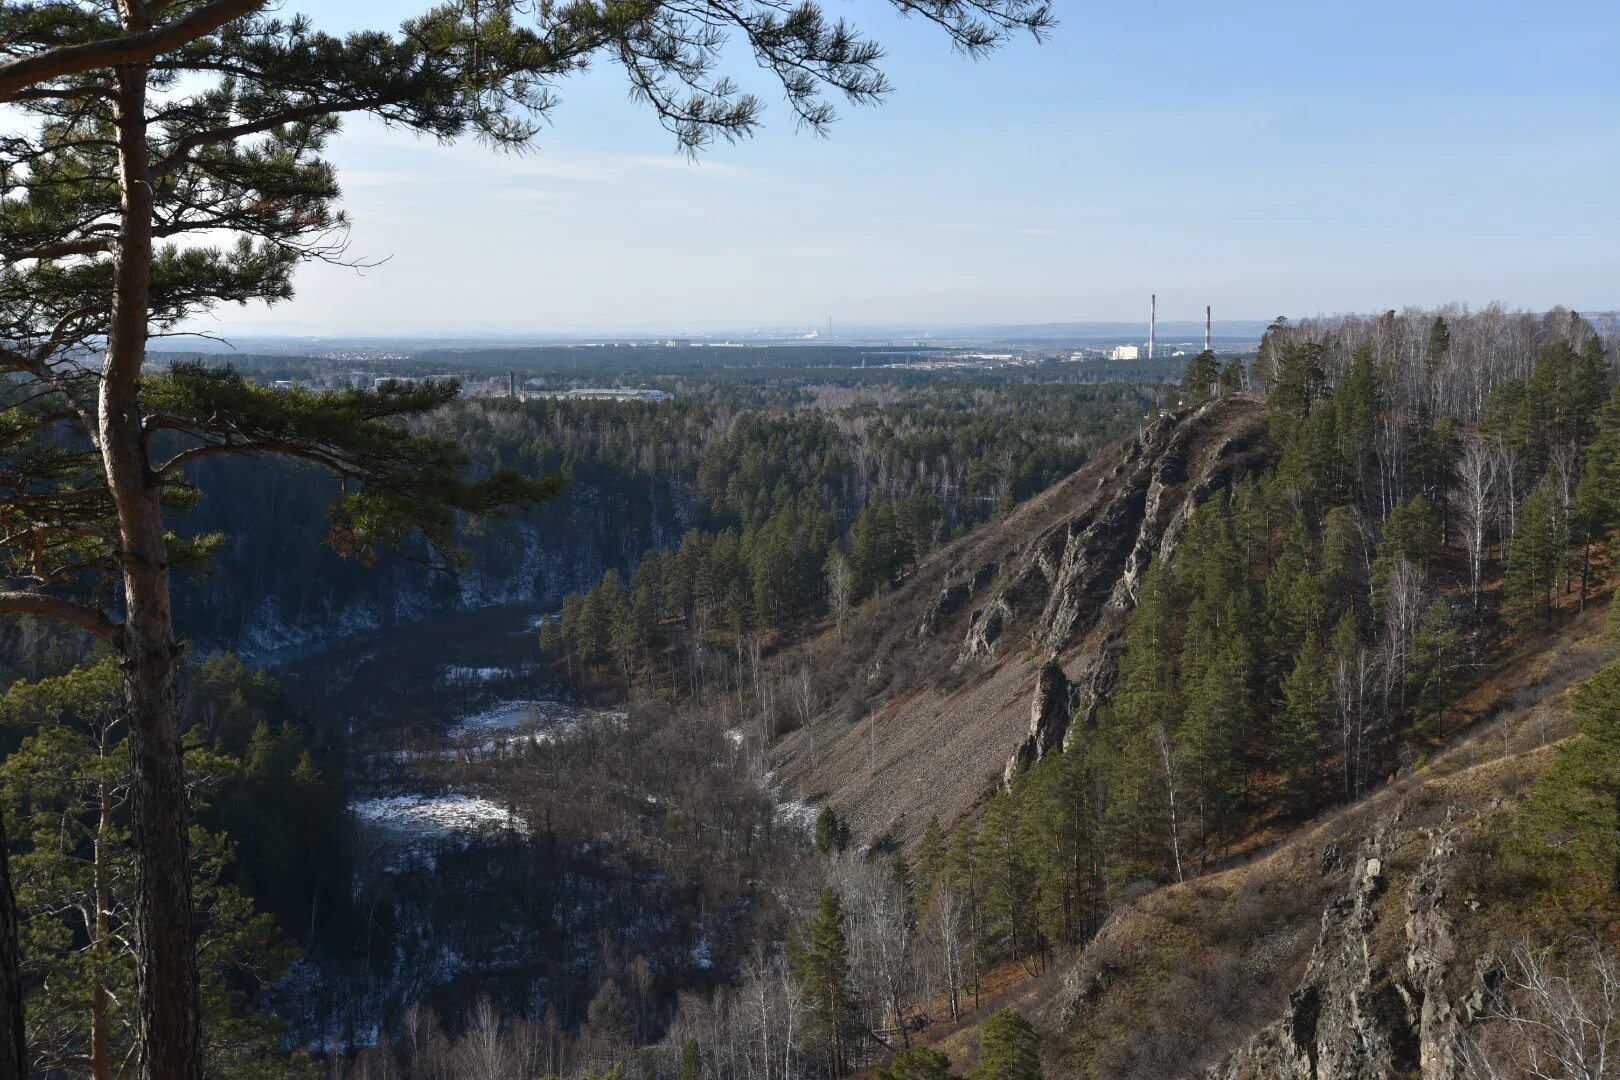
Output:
x,y
1263,157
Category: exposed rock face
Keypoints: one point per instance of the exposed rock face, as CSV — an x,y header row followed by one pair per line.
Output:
x,y
1049,716
952,667
1073,584
952,598
1364,1010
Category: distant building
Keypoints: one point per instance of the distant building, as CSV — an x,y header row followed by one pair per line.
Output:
x,y
604,394
1126,352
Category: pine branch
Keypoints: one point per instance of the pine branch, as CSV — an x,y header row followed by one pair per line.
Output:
x,y
19,75
87,618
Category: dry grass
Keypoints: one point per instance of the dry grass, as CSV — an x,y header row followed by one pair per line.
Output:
x,y
904,732
1188,972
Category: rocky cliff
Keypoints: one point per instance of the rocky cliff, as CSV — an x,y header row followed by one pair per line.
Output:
x,y
974,667
1378,997
1365,946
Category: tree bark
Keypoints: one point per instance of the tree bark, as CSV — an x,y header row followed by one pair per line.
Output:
x,y
13,1046
170,1044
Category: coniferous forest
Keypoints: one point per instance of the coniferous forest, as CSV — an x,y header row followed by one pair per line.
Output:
x,y
938,699
647,899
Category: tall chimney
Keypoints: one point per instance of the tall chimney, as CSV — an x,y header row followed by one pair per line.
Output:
x,y
511,384
1153,323
1206,328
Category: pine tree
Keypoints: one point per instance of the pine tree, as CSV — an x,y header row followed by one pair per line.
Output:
x,y
610,1024
1297,600
876,549
917,1063
1234,376
1057,838
832,832
1434,467
1345,574
967,875
1437,655
67,787
1009,1049
1198,382
932,854
1414,532
1354,674
691,1061
1359,402
1306,708
1299,383
1568,834
1534,557
1596,508
820,962
1141,828
1008,895
1439,343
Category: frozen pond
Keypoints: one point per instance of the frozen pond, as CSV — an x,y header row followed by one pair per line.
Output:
x,y
416,822
445,816
538,718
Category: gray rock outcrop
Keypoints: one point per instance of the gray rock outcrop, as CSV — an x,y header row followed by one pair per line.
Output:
x,y
1068,590
1375,1004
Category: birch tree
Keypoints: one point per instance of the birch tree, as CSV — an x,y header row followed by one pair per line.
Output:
x,y
1556,1016
1476,473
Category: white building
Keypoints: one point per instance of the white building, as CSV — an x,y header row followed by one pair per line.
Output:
x,y
1126,352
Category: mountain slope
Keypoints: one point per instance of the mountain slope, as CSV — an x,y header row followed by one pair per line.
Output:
x,y
974,665
1361,946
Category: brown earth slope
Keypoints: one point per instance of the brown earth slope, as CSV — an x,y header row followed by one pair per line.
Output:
x,y
1359,947
974,665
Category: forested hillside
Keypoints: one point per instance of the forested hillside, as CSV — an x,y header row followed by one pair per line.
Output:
x,y
1443,489
937,730
1287,680
327,919
641,477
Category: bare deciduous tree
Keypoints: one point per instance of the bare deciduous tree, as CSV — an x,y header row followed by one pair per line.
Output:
x,y
1556,1016
840,588
1476,474
1354,679
1167,758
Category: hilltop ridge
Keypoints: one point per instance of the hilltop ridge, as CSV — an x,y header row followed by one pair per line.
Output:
x,y
975,664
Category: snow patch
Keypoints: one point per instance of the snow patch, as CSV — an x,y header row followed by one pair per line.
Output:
x,y
546,719
798,813
456,673
435,816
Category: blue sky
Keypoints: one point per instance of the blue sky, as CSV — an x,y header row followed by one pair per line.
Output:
x,y
1263,157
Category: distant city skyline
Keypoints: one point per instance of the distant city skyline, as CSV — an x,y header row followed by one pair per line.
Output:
x,y
1266,159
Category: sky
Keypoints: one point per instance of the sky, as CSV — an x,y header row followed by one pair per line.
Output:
x,y
1262,157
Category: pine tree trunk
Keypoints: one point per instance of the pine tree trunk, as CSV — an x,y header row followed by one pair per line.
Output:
x,y
166,976
13,1047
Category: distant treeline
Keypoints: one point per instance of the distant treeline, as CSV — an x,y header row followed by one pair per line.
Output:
x,y
752,374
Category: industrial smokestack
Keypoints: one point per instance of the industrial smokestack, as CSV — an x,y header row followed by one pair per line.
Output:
x,y
1206,328
1153,323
